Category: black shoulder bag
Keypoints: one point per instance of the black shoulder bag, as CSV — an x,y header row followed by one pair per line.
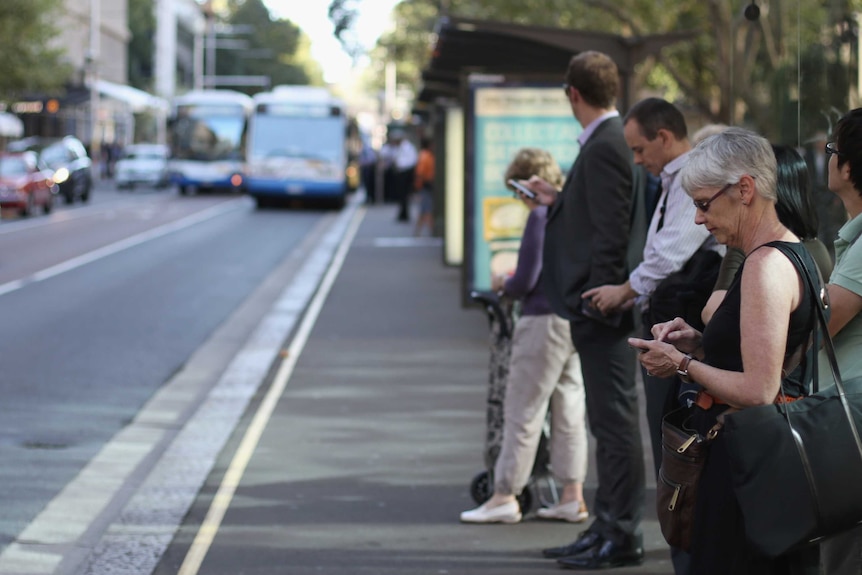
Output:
x,y
796,467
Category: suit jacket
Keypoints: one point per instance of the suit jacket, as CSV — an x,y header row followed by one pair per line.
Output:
x,y
589,225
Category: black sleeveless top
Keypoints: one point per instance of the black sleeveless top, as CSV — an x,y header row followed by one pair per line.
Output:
x,y
721,338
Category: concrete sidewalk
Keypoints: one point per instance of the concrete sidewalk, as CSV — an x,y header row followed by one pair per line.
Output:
x,y
367,460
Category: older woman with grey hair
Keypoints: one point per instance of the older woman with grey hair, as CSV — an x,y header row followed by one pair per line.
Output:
x,y
738,359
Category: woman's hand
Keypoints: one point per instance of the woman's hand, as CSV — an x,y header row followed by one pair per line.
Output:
x,y
546,194
658,358
498,282
680,334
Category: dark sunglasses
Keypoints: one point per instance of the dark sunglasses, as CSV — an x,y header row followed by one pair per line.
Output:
x,y
566,89
703,206
830,149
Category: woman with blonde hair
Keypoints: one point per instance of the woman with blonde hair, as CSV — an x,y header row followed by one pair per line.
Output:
x,y
544,373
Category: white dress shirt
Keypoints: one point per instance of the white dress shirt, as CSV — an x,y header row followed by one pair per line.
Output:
x,y
668,248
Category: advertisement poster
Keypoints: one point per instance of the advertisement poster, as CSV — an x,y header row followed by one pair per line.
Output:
x,y
506,119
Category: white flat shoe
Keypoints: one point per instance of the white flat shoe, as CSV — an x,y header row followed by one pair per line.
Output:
x,y
573,512
506,513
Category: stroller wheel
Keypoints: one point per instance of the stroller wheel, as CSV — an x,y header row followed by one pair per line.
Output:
x,y
480,487
525,500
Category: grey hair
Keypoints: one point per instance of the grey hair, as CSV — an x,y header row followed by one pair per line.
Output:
x,y
725,157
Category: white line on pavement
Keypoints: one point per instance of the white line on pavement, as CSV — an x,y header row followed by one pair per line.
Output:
x,y
222,500
110,520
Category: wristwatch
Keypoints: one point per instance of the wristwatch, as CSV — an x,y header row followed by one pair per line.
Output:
x,y
682,370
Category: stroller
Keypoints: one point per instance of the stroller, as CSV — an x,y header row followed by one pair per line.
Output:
x,y
541,487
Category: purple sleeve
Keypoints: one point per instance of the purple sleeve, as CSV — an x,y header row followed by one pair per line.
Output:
x,y
529,268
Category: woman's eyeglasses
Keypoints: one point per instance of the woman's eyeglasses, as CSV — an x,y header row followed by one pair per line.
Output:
x,y
703,206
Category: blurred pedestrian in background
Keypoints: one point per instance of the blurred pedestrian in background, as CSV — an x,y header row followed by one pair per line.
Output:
x,y
404,158
544,371
424,186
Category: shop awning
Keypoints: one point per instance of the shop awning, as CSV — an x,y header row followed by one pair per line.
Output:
x,y
138,100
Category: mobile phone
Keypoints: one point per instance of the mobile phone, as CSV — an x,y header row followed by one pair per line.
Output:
x,y
522,188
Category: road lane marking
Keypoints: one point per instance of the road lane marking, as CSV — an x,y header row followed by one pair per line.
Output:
x,y
223,497
71,214
125,522
124,244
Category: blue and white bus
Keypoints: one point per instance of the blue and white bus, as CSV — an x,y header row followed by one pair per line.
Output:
x,y
207,132
297,146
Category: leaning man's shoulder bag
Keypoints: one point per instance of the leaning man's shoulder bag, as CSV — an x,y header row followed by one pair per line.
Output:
x,y
796,467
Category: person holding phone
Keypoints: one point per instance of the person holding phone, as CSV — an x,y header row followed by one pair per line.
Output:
x,y
544,373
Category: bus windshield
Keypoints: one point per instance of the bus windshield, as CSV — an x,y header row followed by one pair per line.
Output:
x,y
208,134
320,138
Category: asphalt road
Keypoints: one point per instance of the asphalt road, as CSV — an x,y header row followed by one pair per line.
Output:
x,y
136,282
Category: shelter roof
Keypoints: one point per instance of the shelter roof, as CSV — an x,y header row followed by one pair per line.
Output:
x,y
467,45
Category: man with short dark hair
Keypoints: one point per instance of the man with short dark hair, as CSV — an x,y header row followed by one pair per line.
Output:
x,y
656,132
587,238
842,554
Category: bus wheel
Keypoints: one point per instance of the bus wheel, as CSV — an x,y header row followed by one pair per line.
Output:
x,y
262,203
184,191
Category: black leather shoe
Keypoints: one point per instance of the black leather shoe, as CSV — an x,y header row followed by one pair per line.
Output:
x,y
604,556
585,541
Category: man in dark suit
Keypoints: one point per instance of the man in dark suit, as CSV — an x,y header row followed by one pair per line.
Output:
x,y
587,238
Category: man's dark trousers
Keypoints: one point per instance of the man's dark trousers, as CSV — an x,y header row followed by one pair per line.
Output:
x,y
608,365
404,185
660,394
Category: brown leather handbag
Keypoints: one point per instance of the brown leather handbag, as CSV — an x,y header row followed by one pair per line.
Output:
x,y
683,456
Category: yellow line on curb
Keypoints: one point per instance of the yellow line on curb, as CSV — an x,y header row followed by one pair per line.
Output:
x,y
219,506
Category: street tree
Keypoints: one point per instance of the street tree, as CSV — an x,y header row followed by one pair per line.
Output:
x,y
32,61
142,28
278,48
343,14
735,70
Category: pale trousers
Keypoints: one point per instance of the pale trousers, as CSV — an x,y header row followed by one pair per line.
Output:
x,y
544,369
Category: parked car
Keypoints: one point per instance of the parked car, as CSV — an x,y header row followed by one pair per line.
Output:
x,y
68,158
142,164
25,183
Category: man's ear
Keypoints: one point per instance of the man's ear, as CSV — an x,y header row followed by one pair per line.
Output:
x,y
664,136
844,170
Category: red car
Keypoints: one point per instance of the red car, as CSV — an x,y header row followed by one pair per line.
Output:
x,y
24,184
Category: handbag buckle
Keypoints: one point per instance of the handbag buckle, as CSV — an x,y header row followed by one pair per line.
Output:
x,y
687,444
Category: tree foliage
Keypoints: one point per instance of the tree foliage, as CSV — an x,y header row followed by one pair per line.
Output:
x,y
30,63
343,14
142,26
734,70
277,48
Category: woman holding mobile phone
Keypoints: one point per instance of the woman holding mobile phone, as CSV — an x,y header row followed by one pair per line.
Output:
x,y
544,373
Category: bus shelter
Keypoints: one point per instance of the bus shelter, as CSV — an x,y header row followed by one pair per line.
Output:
x,y
489,89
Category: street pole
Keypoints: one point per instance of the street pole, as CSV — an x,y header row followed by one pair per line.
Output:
x,y
211,46
93,65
